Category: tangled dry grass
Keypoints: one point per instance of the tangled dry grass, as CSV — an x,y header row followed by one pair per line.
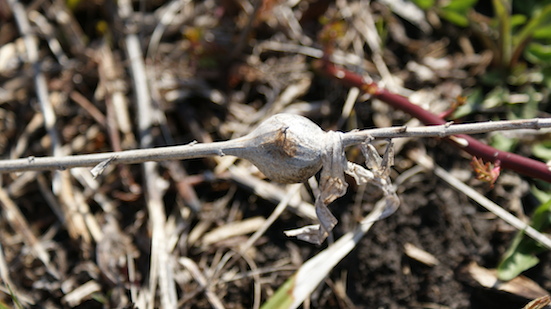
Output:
x,y
98,76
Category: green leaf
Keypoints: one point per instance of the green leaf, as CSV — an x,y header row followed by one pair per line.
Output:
x,y
283,296
515,264
502,11
424,4
520,75
538,53
541,20
541,195
546,71
456,18
518,20
473,101
543,33
503,143
72,4
460,6
530,108
456,11
541,218
493,78
14,298
528,7
496,97
522,253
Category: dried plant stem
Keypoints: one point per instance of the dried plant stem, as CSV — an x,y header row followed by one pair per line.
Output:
x,y
41,87
245,32
161,270
447,130
61,180
21,226
193,268
517,163
237,147
126,157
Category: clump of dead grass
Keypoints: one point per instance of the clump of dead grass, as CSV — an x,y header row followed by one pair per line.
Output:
x,y
176,234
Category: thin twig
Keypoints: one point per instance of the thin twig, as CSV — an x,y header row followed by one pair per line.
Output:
x,y
448,129
236,147
517,163
126,157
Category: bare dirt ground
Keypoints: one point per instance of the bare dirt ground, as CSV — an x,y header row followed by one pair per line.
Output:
x,y
214,70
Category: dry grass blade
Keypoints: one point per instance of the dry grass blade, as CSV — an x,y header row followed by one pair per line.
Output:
x,y
202,280
41,87
78,295
8,287
281,206
521,285
75,213
271,192
420,255
300,286
21,226
539,303
161,271
23,141
233,229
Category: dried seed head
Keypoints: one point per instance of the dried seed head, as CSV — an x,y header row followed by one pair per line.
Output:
x,y
287,148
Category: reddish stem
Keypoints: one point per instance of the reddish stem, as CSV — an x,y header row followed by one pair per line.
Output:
x,y
517,163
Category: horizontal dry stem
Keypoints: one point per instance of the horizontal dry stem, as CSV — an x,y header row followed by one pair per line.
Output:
x,y
446,130
189,151
517,163
236,147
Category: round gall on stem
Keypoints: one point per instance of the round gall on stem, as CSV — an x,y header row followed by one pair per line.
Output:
x,y
287,148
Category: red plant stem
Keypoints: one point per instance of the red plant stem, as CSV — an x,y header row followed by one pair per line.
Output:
x,y
522,165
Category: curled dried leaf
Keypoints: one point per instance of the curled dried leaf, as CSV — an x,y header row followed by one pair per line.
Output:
x,y
377,175
333,184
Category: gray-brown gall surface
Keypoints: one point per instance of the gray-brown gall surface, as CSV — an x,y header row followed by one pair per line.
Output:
x,y
286,148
